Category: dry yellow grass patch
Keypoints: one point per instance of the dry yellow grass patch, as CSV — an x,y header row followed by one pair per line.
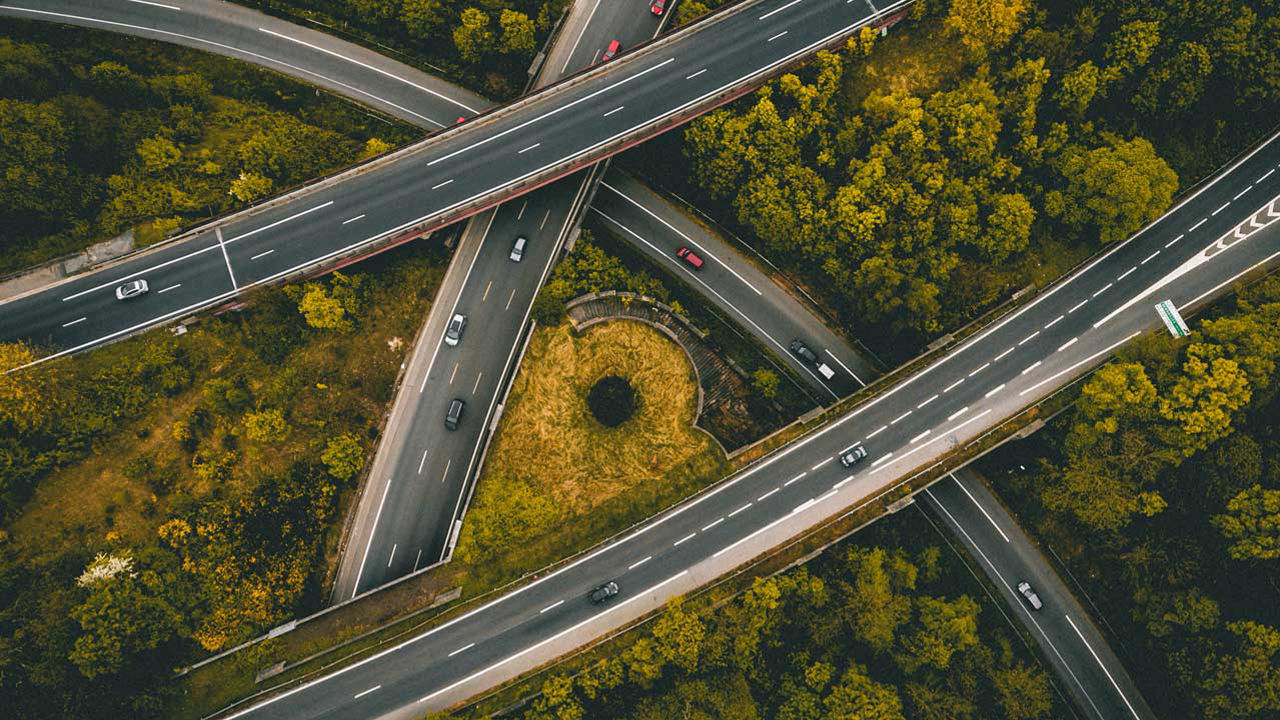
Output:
x,y
550,439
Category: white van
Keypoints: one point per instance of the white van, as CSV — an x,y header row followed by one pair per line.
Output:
x,y
825,371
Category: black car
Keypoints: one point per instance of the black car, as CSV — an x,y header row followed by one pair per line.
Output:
x,y
851,458
454,416
604,592
803,352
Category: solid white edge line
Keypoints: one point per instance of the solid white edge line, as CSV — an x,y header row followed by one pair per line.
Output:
x,y
979,506
1097,659
367,66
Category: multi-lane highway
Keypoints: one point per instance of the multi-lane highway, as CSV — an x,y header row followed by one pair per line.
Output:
x,y
422,473
458,172
1196,251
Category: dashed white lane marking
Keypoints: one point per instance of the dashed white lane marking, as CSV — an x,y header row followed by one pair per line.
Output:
x,y
545,215
1068,344
523,205
1054,322
735,512
446,182
468,646
882,458
824,462
1150,257
684,539
392,556
941,436
881,429
477,385
445,475
638,563
1193,227
901,417
920,437
953,386
826,496
417,559
617,109
423,461
1028,338
1224,207
842,483
690,77
1032,366
487,288
351,220
994,390
1264,177
73,322
262,254
1127,273
1001,355
713,524
1077,306
531,147
552,606
1171,242
1241,193
762,497
775,11
1104,667
958,413
926,402
171,287
1101,353
453,374
510,297
358,695
794,479
979,506
984,367
277,223
775,37
1103,289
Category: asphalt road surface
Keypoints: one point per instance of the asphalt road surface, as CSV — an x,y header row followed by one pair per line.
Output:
x,y
458,172
410,508
1195,252
1072,643
1075,649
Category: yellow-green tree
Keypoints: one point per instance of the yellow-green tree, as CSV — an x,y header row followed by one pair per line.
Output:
x,y
1252,524
985,26
343,456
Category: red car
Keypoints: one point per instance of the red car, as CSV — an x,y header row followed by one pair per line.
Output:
x,y
611,51
657,7
691,259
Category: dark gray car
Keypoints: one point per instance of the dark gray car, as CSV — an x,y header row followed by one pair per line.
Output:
x,y
454,416
803,352
604,592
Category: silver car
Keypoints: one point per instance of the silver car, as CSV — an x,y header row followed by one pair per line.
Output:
x,y
453,333
1030,595
517,250
132,289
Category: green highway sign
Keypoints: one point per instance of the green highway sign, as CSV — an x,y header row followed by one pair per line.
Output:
x,y
1172,320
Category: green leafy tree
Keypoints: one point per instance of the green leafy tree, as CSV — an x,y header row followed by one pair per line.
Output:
x,y
423,18
1115,188
123,619
1024,692
1009,226
687,10
251,187
765,381
1242,680
34,168
857,697
473,38
159,154
1080,87
1252,523
343,456
322,310
876,606
1201,402
679,635
267,426
517,33
946,627
985,26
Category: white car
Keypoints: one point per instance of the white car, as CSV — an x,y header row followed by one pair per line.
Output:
x,y
517,250
851,458
1030,595
132,289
